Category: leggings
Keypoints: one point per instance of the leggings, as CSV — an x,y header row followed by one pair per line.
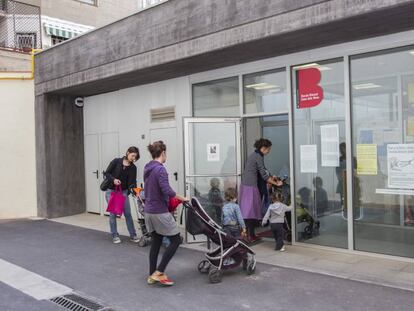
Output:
x,y
251,225
156,242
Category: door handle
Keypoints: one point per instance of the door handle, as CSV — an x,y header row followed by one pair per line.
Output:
x,y
97,174
176,176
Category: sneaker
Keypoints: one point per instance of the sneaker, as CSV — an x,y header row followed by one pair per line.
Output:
x,y
151,281
282,249
160,278
116,240
134,239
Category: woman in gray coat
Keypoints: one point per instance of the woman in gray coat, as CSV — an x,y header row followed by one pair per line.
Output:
x,y
255,173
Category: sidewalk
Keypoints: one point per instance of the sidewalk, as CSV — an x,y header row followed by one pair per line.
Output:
x,y
368,269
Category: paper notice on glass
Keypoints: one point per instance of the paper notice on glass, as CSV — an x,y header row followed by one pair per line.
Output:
x,y
308,159
400,166
330,145
367,159
213,152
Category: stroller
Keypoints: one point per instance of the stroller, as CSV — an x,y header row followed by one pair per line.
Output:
x,y
230,252
138,199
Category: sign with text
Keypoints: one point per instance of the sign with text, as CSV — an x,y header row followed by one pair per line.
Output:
x,y
310,93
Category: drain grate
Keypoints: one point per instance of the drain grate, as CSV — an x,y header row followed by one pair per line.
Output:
x,y
74,302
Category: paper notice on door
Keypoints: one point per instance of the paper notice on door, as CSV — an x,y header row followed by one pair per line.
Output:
x,y
330,145
400,166
367,159
213,152
308,159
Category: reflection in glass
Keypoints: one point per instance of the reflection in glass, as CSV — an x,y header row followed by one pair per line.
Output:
x,y
219,98
210,192
321,216
382,94
265,92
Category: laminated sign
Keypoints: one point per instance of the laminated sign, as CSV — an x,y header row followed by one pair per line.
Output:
x,y
310,93
400,166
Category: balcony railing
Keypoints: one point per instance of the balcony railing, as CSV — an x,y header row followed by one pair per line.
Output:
x,y
20,26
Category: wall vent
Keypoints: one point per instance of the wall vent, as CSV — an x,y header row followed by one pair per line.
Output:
x,y
163,114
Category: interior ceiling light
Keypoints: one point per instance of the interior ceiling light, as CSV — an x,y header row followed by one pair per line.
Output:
x,y
262,86
252,86
314,65
364,86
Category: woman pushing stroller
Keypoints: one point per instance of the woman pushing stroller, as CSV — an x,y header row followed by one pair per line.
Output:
x,y
160,222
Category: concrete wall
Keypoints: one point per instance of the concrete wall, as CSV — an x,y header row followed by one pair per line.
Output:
x,y
180,37
59,155
17,149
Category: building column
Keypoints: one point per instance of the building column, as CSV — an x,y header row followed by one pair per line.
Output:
x,y
59,156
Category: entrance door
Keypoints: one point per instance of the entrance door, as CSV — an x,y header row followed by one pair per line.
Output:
x,y
169,137
92,176
276,129
212,161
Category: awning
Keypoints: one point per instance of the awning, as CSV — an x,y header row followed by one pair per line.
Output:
x,y
53,30
62,28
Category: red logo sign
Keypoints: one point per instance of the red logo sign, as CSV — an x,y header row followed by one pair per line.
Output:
x,y
310,93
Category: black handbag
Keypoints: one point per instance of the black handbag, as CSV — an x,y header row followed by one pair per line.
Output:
x,y
106,183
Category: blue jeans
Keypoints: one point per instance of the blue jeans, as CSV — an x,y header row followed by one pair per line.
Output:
x,y
127,213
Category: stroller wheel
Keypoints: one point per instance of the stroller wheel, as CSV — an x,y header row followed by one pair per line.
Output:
x,y
251,268
308,230
288,236
215,275
142,242
204,266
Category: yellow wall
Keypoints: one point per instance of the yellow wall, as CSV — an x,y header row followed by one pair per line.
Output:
x,y
17,149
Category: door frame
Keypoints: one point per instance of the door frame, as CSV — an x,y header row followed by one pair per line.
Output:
x,y
187,121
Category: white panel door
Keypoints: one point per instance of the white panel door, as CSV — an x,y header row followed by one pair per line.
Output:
x,y
109,151
169,137
93,195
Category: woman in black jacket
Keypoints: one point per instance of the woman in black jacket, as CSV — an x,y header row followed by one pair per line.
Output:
x,y
123,172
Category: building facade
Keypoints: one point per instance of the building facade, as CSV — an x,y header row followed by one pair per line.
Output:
x,y
326,81
27,25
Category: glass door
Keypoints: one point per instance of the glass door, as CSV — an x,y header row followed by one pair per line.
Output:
x,y
212,162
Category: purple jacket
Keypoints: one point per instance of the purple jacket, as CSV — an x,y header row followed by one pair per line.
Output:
x,y
157,188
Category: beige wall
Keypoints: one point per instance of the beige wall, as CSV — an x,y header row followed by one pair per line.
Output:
x,y
17,149
106,12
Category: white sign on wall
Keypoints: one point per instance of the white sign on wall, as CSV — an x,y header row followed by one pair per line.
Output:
x,y
400,166
330,145
213,152
308,159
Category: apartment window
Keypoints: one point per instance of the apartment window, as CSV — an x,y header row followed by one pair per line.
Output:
x,y
144,4
26,40
57,39
91,2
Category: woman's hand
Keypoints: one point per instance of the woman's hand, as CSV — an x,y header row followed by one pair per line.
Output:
x,y
117,182
244,233
181,198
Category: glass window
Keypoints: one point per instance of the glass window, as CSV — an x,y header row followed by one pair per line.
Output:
x,y
382,94
265,92
319,153
92,2
219,98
